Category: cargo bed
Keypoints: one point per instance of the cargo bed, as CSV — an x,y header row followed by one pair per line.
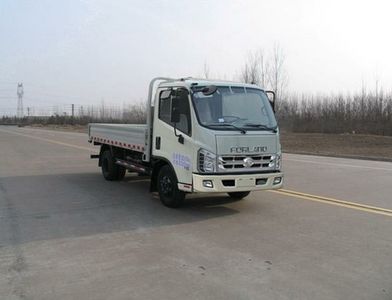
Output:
x,y
127,136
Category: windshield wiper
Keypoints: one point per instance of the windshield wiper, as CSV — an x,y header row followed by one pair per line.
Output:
x,y
242,130
261,126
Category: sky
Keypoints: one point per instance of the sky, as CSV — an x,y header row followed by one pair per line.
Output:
x,y
94,51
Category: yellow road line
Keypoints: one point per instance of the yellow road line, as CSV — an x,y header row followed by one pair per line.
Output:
x,y
337,202
49,140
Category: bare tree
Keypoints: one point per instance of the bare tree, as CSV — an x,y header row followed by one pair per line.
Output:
x,y
277,74
264,68
206,70
102,110
256,69
250,72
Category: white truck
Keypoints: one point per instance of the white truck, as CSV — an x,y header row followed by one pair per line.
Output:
x,y
201,136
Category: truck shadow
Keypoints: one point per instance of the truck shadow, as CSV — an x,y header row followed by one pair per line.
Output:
x,y
82,204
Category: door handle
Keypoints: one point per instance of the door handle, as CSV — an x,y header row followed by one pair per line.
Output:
x,y
158,142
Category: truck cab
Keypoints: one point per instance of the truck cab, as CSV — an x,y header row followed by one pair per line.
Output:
x,y
206,136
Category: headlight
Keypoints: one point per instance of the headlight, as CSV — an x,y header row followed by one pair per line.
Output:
x,y
278,161
207,161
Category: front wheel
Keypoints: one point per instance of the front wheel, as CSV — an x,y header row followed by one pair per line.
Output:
x,y
168,190
238,195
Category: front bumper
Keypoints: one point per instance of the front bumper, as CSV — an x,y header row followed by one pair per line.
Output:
x,y
236,183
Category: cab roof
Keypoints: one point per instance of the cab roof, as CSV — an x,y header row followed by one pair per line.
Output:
x,y
190,82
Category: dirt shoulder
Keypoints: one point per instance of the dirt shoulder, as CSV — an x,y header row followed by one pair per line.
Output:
x,y
340,145
359,146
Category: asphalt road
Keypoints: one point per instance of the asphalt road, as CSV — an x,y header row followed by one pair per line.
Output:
x,y
65,233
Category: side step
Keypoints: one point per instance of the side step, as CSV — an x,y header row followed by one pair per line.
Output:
x,y
133,166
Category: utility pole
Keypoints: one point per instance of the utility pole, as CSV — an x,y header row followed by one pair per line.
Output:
x,y
73,113
19,92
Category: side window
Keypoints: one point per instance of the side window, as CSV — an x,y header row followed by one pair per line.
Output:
x,y
165,108
185,115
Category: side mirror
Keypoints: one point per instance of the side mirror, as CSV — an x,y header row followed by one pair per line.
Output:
x,y
206,90
175,110
175,117
271,98
209,90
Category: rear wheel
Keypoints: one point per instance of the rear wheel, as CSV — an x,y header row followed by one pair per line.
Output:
x,y
238,195
110,170
121,172
168,190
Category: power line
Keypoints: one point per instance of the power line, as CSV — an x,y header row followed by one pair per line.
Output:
x,y
7,82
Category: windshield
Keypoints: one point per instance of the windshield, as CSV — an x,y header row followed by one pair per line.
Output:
x,y
235,108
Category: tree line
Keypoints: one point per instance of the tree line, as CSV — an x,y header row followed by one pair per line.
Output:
x,y
365,112
360,113
82,115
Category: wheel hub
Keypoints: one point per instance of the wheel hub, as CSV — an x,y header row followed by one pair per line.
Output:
x,y
166,185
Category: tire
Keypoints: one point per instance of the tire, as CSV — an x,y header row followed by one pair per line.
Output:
x,y
110,170
121,172
238,195
169,193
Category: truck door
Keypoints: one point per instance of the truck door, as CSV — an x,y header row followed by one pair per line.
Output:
x,y
174,143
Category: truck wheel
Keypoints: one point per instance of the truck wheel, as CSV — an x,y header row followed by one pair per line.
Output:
x,y
121,172
110,170
238,195
168,190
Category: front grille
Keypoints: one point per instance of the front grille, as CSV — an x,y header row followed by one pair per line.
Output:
x,y
237,162
201,162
